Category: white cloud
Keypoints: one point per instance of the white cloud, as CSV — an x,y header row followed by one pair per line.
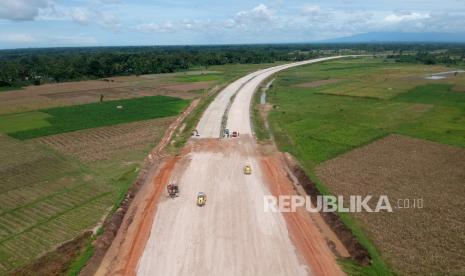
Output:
x,y
80,15
399,18
109,2
22,10
311,10
16,38
154,27
110,21
260,13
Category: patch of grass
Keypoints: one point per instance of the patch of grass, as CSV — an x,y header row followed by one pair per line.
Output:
x,y
199,78
10,88
258,120
71,118
437,94
76,266
23,121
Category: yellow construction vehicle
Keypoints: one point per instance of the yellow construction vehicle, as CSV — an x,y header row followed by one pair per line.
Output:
x,y
247,169
201,199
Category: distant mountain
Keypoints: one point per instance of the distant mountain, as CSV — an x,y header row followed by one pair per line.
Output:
x,y
400,37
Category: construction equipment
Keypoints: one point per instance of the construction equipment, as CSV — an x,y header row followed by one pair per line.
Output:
x,y
235,134
226,133
173,190
201,199
247,169
195,133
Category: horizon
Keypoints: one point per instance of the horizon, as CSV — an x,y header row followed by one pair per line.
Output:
x,y
322,43
112,23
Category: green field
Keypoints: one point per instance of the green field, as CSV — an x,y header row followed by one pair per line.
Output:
x,y
198,78
23,121
319,123
71,118
43,191
369,99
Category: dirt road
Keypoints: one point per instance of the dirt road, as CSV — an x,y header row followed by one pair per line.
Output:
x,y
231,234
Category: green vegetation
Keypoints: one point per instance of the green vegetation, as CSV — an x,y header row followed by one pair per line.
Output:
x,y
71,118
258,113
23,121
24,67
371,99
84,256
37,66
319,123
197,78
42,192
435,94
9,88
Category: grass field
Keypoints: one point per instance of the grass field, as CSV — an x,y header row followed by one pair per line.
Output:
x,y
23,121
323,122
371,99
72,118
199,78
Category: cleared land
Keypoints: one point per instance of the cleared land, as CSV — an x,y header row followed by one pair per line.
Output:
x,y
377,98
414,241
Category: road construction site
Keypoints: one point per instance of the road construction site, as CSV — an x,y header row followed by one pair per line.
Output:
x,y
231,234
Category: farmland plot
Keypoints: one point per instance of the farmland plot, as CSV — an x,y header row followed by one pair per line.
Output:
x,y
73,93
415,241
105,143
63,184
78,117
43,191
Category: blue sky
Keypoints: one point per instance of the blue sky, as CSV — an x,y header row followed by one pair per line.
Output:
x,y
51,23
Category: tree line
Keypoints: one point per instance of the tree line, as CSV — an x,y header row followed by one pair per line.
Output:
x,y
21,67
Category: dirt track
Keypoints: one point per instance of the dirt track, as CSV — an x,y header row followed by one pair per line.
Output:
x,y
231,234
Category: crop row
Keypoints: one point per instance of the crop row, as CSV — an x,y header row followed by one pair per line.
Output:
x,y
27,245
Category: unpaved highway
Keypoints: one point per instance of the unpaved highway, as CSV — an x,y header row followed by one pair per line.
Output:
x,y
231,234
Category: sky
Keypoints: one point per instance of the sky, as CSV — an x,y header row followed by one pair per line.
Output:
x,y
58,23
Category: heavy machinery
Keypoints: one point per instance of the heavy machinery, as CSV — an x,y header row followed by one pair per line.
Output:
x,y
247,169
235,134
201,199
173,190
226,133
